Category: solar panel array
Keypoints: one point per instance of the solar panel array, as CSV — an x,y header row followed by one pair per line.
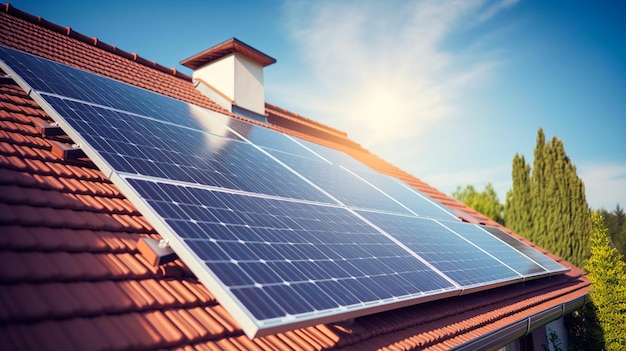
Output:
x,y
285,233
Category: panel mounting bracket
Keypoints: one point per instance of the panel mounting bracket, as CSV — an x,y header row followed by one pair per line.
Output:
x,y
66,151
47,129
157,252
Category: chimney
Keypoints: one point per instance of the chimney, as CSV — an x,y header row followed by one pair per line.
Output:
x,y
231,73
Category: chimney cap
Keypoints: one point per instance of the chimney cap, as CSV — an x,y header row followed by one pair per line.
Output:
x,y
225,48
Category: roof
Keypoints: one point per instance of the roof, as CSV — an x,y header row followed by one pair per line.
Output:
x,y
232,45
71,276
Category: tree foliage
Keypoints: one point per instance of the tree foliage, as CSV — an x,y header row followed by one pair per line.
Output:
x,y
614,221
583,329
485,202
607,273
547,204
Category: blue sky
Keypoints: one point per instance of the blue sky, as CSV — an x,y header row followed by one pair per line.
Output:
x,y
449,91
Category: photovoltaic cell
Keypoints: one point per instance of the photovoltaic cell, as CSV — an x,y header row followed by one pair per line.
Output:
x,y
421,204
285,233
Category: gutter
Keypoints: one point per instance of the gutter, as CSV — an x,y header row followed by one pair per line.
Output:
x,y
504,336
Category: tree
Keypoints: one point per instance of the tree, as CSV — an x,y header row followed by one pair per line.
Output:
x,y
614,221
485,202
619,215
607,273
517,215
547,203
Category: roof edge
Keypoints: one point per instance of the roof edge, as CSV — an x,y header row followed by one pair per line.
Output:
x,y
93,41
232,45
283,112
514,331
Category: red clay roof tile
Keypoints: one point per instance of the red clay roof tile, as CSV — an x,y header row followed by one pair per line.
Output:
x,y
169,333
214,329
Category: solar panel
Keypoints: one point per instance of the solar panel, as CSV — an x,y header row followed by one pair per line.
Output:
x,y
549,264
410,198
285,259
465,263
334,156
499,249
140,145
283,232
267,139
54,78
343,185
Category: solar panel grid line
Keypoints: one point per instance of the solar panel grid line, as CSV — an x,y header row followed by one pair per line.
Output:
x,y
356,171
309,149
333,156
264,137
425,198
350,163
304,178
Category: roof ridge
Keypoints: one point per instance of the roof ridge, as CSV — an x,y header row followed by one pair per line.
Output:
x,y
293,115
93,41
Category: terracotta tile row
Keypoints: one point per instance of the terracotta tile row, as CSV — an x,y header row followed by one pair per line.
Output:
x,y
68,266
11,194
20,238
151,329
31,216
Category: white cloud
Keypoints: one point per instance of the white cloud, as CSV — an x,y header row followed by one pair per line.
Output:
x,y
378,70
605,184
493,8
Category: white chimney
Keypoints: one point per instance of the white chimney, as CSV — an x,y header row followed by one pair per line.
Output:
x,y
231,73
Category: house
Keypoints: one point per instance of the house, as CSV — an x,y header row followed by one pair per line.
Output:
x,y
72,275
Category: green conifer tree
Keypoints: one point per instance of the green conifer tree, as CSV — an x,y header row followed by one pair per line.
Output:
x,y
516,213
607,273
548,205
